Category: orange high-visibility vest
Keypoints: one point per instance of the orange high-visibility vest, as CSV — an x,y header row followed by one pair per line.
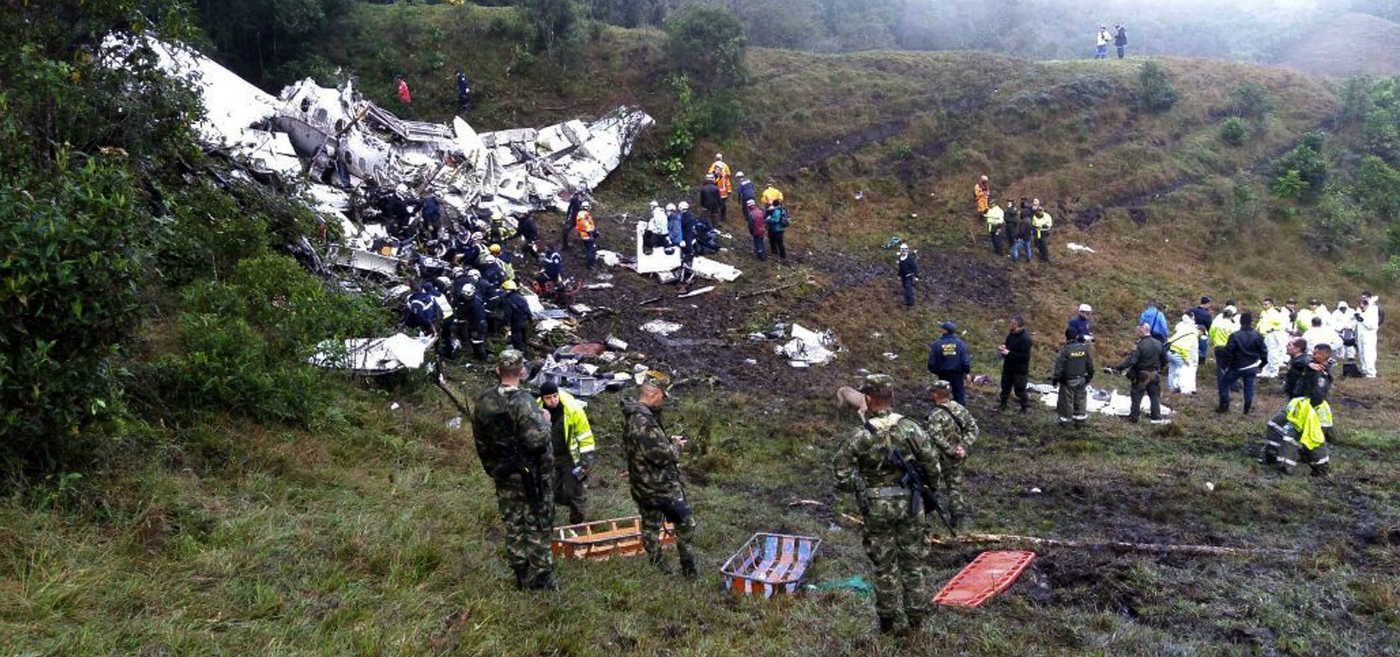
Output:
x,y
584,224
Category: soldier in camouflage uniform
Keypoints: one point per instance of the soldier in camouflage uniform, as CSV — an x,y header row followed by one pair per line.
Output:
x,y
654,475
895,537
512,439
952,429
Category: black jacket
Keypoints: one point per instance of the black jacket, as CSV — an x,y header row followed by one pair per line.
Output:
x,y
1073,362
1203,317
1292,381
709,196
1121,38
1245,349
908,268
1148,356
1315,385
1018,357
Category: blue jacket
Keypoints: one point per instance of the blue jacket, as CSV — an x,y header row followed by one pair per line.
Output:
x,y
688,227
553,265
949,355
673,228
1203,318
777,219
1080,326
747,192
1155,321
421,311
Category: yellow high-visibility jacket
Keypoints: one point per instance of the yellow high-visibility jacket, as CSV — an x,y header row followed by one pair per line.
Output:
x,y
771,194
996,218
1221,329
1042,223
577,434
1305,315
1308,420
1273,319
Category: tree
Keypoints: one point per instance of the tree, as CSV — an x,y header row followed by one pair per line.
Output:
x,y
707,46
1155,90
255,37
553,24
1233,131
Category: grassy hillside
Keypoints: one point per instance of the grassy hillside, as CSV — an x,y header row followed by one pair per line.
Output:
x,y
377,532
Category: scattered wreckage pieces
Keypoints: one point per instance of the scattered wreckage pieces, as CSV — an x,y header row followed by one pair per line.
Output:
x,y
1099,401
808,348
373,356
363,261
1074,247
661,327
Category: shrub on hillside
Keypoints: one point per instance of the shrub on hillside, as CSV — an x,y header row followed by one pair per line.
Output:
x,y
1234,131
1335,224
1302,173
1378,186
706,44
1251,99
554,25
1155,90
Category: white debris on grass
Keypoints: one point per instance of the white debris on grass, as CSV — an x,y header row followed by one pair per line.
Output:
x,y
1072,246
1107,402
807,347
373,355
661,327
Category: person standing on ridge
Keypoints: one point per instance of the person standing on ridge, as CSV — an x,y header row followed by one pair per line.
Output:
x,y
908,272
1120,39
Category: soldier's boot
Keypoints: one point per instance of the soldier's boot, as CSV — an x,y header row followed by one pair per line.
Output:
x,y
1247,404
544,582
916,622
688,566
659,560
1322,470
887,625
519,577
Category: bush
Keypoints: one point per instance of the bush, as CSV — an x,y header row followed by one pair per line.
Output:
x,y
1391,269
1155,90
1378,187
1251,99
1302,173
1234,131
706,45
1335,225
554,25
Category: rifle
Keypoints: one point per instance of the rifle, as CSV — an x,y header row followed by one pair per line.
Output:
x,y
532,475
922,497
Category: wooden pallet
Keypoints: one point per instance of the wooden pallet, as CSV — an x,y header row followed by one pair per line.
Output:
x,y
770,564
989,574
604,539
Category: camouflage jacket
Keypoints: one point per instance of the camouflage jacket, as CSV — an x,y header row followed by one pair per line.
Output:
x,y
947,433
511,433
652,460
863,466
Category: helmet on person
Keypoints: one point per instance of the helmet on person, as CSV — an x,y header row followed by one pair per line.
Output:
x,y
588,205
473,275
495,249
467,290
670,207
750,202
653,204
709,177
684,206
509,285
739,175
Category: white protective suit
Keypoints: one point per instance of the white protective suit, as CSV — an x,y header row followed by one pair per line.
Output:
x,y
1183,356
1273,323
1326,315
1343,318
658,225
1366,334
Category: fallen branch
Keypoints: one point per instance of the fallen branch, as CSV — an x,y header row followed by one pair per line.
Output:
x,y
646,302
1214,550
770,290
442,384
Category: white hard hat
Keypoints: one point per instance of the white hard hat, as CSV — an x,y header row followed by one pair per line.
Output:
x,y
903,246
401,188
670,207
588,205
685,205
654,204
1085,308
740,174
719,156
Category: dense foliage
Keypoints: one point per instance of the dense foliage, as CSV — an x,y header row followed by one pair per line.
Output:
x,y
1155,90
265,40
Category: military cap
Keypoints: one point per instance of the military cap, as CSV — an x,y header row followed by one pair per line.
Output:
x,y
656,379
510,359
877,384
940,384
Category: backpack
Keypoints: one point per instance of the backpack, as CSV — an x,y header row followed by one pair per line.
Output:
x,y
1349,337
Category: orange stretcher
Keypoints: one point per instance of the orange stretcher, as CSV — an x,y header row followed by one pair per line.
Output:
x,y
604,539
989,574
770,564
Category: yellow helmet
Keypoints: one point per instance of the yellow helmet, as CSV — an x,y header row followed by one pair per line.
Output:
x,y
508,286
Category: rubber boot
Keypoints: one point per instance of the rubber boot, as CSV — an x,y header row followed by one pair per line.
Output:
x,y
519,577
1223,408
887,625
688,566
1247,404
544,582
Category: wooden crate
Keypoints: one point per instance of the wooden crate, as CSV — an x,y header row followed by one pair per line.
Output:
x,y
604,539
770,564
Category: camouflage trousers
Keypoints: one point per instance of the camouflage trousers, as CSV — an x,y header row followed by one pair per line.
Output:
x,y
897,545
528,531
952,486
655,513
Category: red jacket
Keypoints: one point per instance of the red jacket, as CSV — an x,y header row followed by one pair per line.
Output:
x,y
758,223
404,94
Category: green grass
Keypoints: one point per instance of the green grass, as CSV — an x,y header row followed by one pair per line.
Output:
x,y
378,533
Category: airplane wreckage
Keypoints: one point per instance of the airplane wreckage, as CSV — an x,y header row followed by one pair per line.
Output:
x,y
358,163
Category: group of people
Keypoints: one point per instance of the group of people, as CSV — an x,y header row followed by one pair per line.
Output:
x,y
1019,226
1102,39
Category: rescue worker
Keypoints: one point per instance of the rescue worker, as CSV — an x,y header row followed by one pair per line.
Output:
x,y
1202,314
653,473
657,230
674,234
1368,326
421,310
1182,356
982,194
1343,321
895,534
1042,222
1303,319
1299,432
758,228
1012,218
1320,310
587,232
950,360
517,312
1143,367
1120,39
553,266
571,217
688,233
512,440
709,198
996,223
952,429
529,232
1298,360
778,220
1074,369
471,315
1156,320
724,183
1081,323
1318,334
502,259
464,91
401,88
747,192
1101,43
573,449
1244,357
1273,325
771,195
908,272
1221,328
1015,352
